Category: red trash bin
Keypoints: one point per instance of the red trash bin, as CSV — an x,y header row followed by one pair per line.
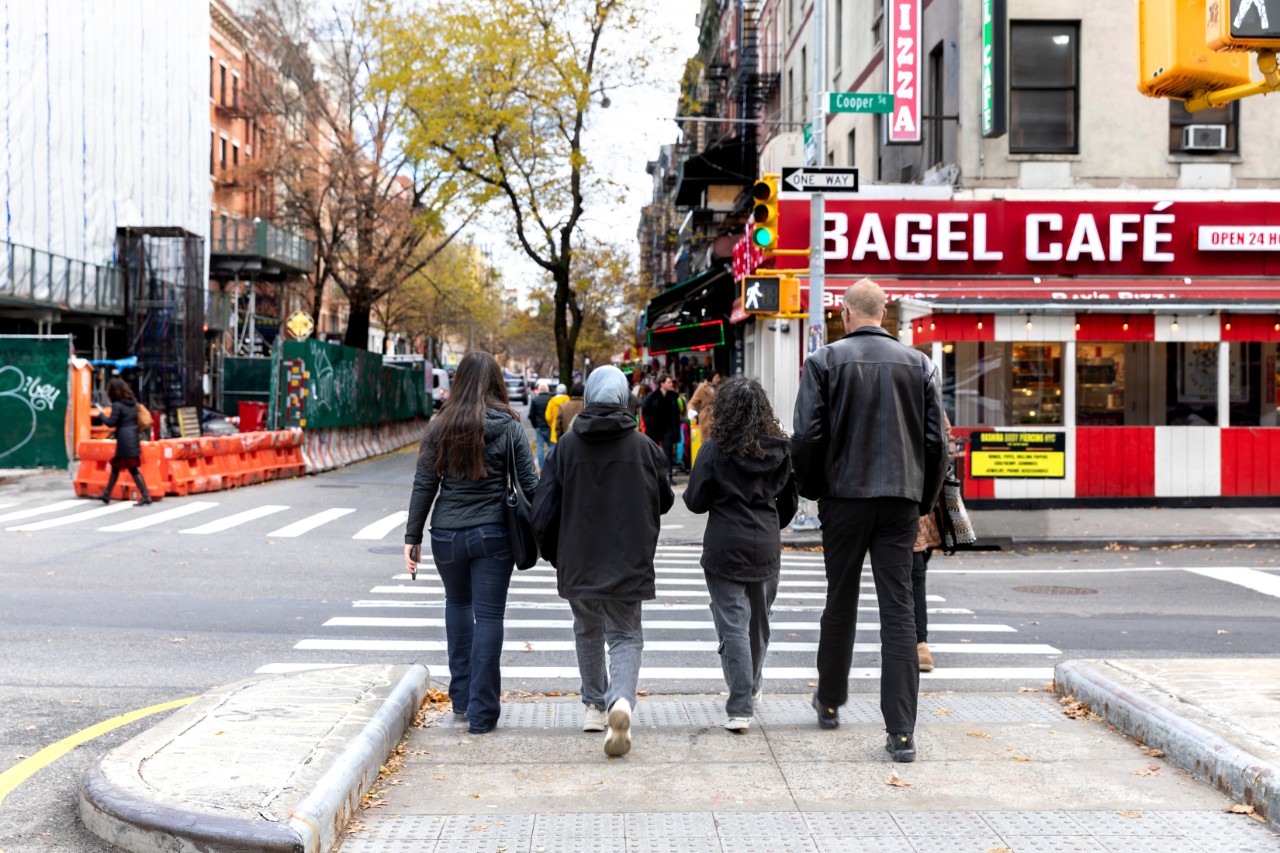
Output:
x,y
253,416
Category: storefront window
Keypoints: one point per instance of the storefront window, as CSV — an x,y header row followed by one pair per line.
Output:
x,y
976,390
1192,380
1100,384
1036,384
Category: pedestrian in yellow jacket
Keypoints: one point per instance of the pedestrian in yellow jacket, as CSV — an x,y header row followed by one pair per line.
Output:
x,y
562,396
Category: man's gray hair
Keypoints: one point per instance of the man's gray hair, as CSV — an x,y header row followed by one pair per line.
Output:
x,y
543,386
865,298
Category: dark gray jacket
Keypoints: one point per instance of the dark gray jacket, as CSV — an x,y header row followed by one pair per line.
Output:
x,y
469,503
124,417
868,421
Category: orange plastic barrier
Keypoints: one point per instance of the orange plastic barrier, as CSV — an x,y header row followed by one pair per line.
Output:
x,y
95,470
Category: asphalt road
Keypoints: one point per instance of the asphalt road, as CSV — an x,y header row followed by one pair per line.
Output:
x,y
97,623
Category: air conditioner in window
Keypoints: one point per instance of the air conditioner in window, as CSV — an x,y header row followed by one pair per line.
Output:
x,y
1204,137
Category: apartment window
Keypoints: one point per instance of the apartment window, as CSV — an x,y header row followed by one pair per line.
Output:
x,y
212,75
934,128
1044,87
804,84
222,85
791,95
838,41
235,91
877,23
1207,132
213,147
235,154
222,153
853,148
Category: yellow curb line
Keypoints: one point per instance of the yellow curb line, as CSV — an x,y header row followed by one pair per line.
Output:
x,y
23,770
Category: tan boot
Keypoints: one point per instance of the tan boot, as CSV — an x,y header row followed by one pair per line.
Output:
x,y
926,659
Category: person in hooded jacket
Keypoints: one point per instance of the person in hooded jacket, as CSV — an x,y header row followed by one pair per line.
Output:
x,y
570,409
128,455
597,515
462,478
745,481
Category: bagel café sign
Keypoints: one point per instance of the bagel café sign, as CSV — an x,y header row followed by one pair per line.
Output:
x,y
1033,238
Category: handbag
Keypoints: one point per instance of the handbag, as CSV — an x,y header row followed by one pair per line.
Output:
x,y
145,421
519,513
953,520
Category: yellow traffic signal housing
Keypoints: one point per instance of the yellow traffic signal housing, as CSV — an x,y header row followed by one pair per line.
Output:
x,y
764,214
1174,58
789,296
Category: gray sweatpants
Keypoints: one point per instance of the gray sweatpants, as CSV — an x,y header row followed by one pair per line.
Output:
x,y
617,623
741,613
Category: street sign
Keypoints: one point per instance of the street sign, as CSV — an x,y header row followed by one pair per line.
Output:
x,y
300,325
810,149
820,179
1244,24
995,68
859,102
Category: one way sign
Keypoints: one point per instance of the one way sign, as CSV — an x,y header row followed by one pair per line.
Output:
x,y
820,179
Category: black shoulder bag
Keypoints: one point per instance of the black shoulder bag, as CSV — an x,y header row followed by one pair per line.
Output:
x,y
519,512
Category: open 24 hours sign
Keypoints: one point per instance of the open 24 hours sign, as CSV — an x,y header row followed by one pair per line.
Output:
x,y
1023,455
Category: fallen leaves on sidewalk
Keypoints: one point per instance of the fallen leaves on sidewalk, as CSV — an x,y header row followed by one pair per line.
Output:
x,y
1241,808
1129,814
892,779
1077,710
976,734
528,646
999,850
1152,770
1153,752
942,712
1018,758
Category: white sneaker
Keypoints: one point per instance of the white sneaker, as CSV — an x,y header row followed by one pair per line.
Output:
x,y
594,721
757,696
618,740
738,724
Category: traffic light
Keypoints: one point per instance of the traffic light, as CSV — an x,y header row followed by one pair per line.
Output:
x,y
1174,60
765,214
1242,25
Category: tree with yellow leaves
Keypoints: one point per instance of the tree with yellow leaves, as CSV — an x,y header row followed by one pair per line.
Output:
x,y
502,95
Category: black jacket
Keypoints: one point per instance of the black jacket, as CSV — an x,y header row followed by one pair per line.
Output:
x,y
598,509
124,417
661,413
538,410
750,501
470,503
868,421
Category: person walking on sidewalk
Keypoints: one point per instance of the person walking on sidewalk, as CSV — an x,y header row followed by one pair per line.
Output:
x,y
597,514
128,455
538,419
553,407
701,404
869,446
746,483
462,480
928,538
569,409
661,413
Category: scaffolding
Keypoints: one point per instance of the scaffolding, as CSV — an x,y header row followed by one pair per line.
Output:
x,y
164,308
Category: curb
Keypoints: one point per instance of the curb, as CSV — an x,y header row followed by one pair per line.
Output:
x,y
115,806
1204,754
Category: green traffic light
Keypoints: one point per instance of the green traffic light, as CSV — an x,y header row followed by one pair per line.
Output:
x,y
763,237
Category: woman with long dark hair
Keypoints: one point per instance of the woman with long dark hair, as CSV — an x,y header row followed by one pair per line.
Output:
x,y
743,478
124,417
462,481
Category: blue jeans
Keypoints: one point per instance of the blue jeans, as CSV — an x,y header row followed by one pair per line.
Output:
x,y
543,436
475,566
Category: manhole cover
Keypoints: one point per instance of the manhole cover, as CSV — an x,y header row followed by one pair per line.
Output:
x,y
1056,590
387,549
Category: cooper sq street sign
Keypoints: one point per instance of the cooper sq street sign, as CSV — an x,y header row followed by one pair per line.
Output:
x,y
859,102
820,179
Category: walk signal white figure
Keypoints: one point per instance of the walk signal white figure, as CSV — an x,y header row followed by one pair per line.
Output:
x,y
1245,6
753,297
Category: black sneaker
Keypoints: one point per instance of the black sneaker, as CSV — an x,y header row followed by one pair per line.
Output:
x,y
901,746
828,718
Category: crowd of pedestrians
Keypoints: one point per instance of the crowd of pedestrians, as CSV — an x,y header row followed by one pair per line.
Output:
x,y
869,444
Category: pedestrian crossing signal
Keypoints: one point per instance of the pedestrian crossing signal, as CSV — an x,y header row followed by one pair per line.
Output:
x,y
1174,59
764,214
767,294
1243,24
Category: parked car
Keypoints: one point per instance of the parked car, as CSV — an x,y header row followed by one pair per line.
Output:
x,y
517,388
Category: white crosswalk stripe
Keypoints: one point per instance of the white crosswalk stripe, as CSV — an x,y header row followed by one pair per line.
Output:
x,y
383,526
235,520
406,617
62,520
31,512
311,522
151,520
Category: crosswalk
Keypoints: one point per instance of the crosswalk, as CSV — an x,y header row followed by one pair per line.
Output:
x,y
203,518
403,621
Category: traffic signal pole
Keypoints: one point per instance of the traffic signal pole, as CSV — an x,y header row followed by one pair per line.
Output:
x,y
817,205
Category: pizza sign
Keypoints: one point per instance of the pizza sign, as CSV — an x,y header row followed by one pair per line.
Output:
x,y
902,49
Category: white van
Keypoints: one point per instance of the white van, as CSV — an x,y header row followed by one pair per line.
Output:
x,y
439,386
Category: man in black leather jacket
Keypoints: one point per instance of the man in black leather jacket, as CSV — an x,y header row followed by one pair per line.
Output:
x,y
869,445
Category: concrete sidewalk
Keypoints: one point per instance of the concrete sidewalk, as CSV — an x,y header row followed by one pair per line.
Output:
x,y
275,764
